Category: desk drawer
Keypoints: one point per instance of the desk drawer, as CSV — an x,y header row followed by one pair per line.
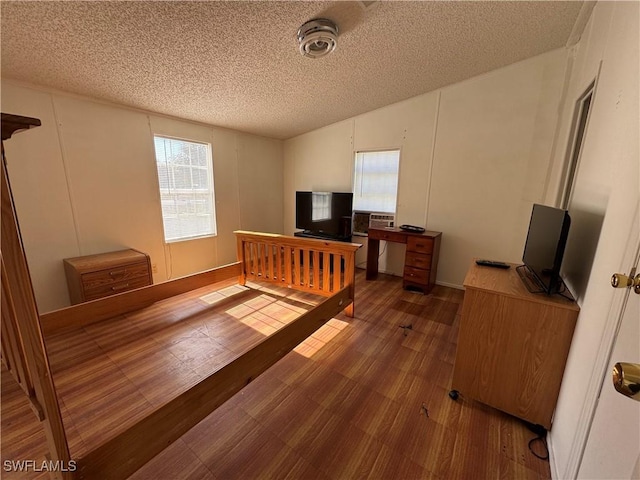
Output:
x,y
419,244
416,275
388,236
417,260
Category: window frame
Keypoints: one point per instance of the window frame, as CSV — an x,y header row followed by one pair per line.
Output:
x,y
397,189
209,192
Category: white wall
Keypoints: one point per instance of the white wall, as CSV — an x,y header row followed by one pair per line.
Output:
x,y
493,151
474,158
607,187
323,161
260,184
85,182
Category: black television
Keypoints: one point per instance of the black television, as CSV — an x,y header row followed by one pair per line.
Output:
x,y
544,248
324,213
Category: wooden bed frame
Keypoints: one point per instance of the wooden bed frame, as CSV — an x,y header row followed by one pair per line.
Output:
x,y
320,267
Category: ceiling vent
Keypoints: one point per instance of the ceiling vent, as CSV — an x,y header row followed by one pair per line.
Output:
x,y
318,37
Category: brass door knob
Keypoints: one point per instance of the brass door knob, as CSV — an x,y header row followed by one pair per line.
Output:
x,y
626,379
620,280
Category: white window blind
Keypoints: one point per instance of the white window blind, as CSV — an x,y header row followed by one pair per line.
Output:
x,y
375,186
185,178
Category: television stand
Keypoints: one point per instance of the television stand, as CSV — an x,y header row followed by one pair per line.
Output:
x,y
512,345
534,286
322,236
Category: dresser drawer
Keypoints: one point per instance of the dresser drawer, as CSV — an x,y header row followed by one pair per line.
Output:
x,y
416,275
104,290
419,244
417,260
103,274
115,274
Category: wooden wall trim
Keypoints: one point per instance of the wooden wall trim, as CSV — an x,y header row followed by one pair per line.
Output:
x,y
94,311
15,123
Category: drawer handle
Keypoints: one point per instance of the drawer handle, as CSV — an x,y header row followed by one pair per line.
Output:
x,y
118,272
119,287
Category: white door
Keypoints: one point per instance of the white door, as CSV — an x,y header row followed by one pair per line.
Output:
x,y
613,446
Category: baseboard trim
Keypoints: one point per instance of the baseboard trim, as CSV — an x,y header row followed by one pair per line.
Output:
x,y
451,285
553,466
395,274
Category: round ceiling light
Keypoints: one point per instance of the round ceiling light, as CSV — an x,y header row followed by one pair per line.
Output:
x,y
317,38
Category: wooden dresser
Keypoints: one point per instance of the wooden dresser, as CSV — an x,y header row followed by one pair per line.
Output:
x,y
421,258
512,344
97,276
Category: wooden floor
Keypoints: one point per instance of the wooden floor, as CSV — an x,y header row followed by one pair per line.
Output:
x,y
362,398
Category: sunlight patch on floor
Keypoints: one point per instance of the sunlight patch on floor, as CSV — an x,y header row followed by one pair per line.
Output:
x,y
260,301
240,311
320,338
254,321
225,293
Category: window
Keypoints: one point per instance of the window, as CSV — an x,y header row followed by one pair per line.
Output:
x,y
185,178
375,186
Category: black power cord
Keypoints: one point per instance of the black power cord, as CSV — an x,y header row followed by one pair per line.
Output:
x,y
541,436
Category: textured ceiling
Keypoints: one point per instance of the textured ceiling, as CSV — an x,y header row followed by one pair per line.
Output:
x,y
237,64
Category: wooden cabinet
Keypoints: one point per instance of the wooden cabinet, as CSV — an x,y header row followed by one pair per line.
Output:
x,y
512,344
97,276
421,258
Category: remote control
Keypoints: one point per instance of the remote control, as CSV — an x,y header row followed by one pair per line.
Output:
x,y
492,263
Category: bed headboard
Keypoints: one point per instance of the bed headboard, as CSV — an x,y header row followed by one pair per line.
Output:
x,y
322,267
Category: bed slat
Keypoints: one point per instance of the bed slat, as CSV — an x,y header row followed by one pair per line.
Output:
x,y
288,275
326,272
337,271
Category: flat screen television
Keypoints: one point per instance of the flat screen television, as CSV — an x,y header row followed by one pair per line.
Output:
x,y
544,248
324,213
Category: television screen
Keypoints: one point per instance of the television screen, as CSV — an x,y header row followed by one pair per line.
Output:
x,y
544,248
324,213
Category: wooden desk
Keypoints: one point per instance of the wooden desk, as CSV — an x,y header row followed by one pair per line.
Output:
x,y
512,344
421,258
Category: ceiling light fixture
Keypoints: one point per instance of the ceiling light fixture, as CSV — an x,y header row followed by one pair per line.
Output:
x,y
317,37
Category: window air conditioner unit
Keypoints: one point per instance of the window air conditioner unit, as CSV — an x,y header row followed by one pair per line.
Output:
x,y
360,223
363,220
382,220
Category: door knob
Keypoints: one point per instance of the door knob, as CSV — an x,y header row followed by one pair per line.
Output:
x,y
620,280
626,379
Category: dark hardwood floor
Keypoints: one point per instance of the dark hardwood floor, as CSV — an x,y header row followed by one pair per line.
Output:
x,y
361,398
